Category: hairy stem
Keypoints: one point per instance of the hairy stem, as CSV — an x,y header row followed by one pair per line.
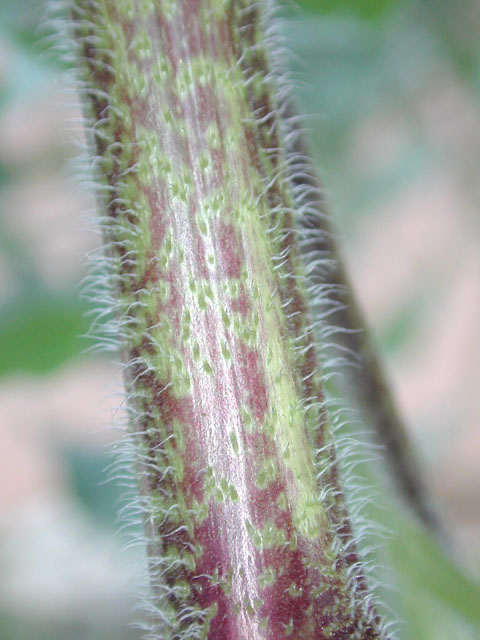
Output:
x,y
361,368
247,528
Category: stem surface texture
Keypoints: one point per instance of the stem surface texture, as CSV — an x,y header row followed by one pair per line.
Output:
x,y
247,531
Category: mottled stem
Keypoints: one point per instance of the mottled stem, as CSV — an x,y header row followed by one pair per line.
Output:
x,y
247,531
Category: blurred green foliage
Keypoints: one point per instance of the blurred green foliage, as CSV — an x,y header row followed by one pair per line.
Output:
x,y
93,484
365,9
41,331
33,628
357,57
22,20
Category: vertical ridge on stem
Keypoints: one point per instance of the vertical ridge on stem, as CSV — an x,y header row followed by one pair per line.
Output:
x,y
246,525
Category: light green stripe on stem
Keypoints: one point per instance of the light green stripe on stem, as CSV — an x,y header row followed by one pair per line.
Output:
x,y
246,525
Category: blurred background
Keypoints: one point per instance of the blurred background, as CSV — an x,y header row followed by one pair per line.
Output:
x,y
392,93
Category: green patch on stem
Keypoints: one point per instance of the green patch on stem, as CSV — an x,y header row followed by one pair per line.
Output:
x,y
267,577
267,473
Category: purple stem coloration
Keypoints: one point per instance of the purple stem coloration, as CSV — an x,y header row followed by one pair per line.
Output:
x,y
247,530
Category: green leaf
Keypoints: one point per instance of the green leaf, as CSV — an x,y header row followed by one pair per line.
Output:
x,y
366,9
424,585
40,332
86,471
425,567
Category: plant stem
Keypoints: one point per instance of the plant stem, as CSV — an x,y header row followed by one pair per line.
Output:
x,y
362,372
247,530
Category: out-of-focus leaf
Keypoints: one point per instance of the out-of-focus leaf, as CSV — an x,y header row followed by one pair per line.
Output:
x,y
21,19
87,475
27,73
401,327
40,332
409,315
426,568
366,9
432,596
4,170
112,624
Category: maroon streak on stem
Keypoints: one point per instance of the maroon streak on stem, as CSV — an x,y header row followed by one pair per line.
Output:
x,y
247,531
